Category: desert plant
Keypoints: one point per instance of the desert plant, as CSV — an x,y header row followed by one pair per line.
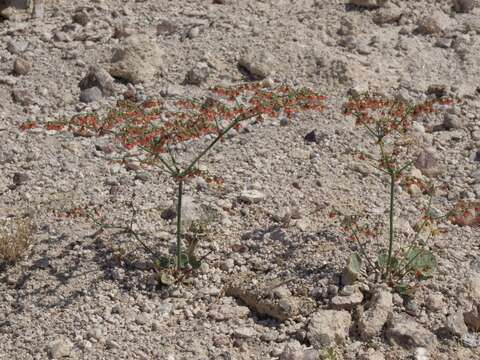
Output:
x,y
386,122
156,127
15,238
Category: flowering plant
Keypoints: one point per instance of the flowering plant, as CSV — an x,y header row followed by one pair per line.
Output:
x,y
386,122
156,127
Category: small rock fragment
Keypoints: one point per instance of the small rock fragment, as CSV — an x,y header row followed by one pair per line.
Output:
x,y
90,95
409,334
60,348
166,27
455,324
38,9
463,6
21,66
252,196
328,327
428,163
388,14
370,4
99,78
428,26
348,298
198,74
375,317
20,178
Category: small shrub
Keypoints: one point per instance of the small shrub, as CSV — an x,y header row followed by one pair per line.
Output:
x,y
15,238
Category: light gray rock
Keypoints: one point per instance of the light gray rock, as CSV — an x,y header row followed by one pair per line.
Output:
x,y
455,324
259,64
409,334
434,302
244,332
375,317
348,298
59,348
90,95
17,47
390,13
428,162
38,9
137,59
295,351
252,196
471,340
328,327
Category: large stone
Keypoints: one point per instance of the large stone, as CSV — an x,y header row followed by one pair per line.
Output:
x,y
258,64
409,334
375,317
100,78
328,327
137,59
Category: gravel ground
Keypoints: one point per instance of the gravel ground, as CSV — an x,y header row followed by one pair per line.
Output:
x,y
270,287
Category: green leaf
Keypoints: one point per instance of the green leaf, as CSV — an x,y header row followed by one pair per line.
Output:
x,y
194,262
183,260
420,261
163,262
382,260
355,263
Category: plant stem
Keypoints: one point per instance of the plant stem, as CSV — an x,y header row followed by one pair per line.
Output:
x,y
219,136
179,223
390,236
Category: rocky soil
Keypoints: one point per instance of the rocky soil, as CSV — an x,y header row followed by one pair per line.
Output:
x,y
270,288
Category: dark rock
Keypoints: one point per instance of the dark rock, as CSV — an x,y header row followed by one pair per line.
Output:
x,y
311,137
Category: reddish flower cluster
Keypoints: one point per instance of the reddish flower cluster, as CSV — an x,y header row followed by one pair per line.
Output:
x,y
155,127
385,115
466,214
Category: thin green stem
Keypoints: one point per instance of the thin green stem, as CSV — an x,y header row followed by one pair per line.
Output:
x,y
391,226
179,223
219,136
